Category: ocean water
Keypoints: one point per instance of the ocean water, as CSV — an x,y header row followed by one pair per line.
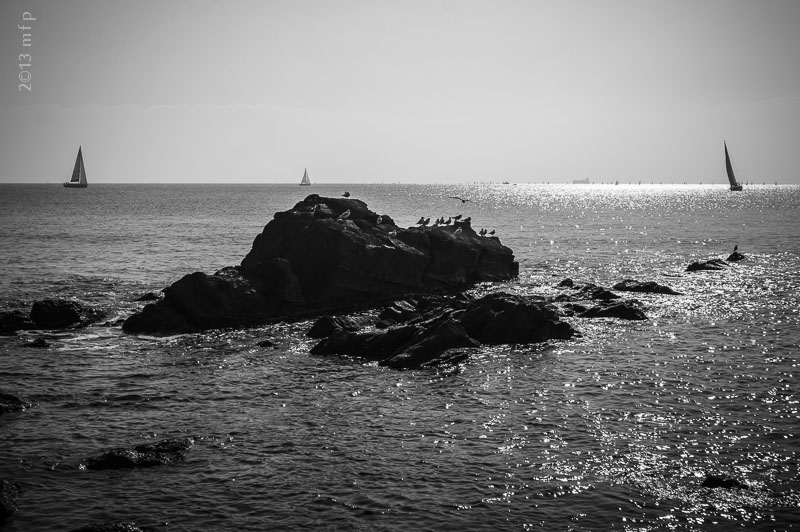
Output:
x,y
612,430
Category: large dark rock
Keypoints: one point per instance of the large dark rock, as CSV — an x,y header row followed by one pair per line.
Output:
x,y
735,257
11,403
498,318
652,287
584,292
9,494
15,320
326,255
328,325
145,455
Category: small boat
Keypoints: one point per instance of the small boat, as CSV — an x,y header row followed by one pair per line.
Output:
x,y
78,174
305,182
735,185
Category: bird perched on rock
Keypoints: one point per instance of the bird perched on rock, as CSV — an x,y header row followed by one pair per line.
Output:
x,y
426,221
449,220
421,220
346,194
467,220
482,232
457,217
457,231
344,216
491,232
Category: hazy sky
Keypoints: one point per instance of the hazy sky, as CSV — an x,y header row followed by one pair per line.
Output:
x,y
411,91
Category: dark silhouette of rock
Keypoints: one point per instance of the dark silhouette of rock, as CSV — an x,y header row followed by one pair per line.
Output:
x,y
328,325
566,283
497,318
626,310
652,287
715,481
711,264
12,403
9,494
735,256
121,526
15,320
39,342
145,455
502,318
312,259
149,296
266,343
586,291
61,313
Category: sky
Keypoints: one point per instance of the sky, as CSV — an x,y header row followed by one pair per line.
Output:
x,y
399,91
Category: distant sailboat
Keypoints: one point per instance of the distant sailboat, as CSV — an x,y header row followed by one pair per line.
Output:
x,y
729,168
78,174
305,182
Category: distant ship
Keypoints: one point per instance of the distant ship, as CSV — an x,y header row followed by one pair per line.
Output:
x,y
78,174
305,182
581,181
735,185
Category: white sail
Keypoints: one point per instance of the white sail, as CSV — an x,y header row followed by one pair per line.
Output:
x,y
305,181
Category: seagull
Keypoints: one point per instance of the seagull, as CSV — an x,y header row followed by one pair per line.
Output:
x,y
421,220
346,194
457,231
426,221
457,217
467,220
482,232
462,200
735,248
491,232
449,220
344,215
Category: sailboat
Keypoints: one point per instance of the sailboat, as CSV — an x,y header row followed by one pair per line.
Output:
x,y
305,182
732,178
78,174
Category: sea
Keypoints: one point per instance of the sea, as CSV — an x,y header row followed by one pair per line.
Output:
x,y
615,429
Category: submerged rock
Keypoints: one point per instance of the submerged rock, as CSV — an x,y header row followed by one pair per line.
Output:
x,y
715,481
38,342
9,494
326,255
12,403
586,291
498,318
121,526
145,455
652,287
735,256
626,310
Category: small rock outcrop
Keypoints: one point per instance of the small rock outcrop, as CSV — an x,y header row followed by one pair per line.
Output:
x,y
62,313
328,325
711,264
735,257
497,318
584,292
145,455
651,287
12,321
326,255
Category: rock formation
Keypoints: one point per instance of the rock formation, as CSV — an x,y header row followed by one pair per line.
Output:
x,y
326,255
652,287
145,455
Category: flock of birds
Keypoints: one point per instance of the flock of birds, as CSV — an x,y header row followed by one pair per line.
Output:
x,y
424,222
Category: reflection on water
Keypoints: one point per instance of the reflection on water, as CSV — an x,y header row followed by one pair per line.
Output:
x,y
615,429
